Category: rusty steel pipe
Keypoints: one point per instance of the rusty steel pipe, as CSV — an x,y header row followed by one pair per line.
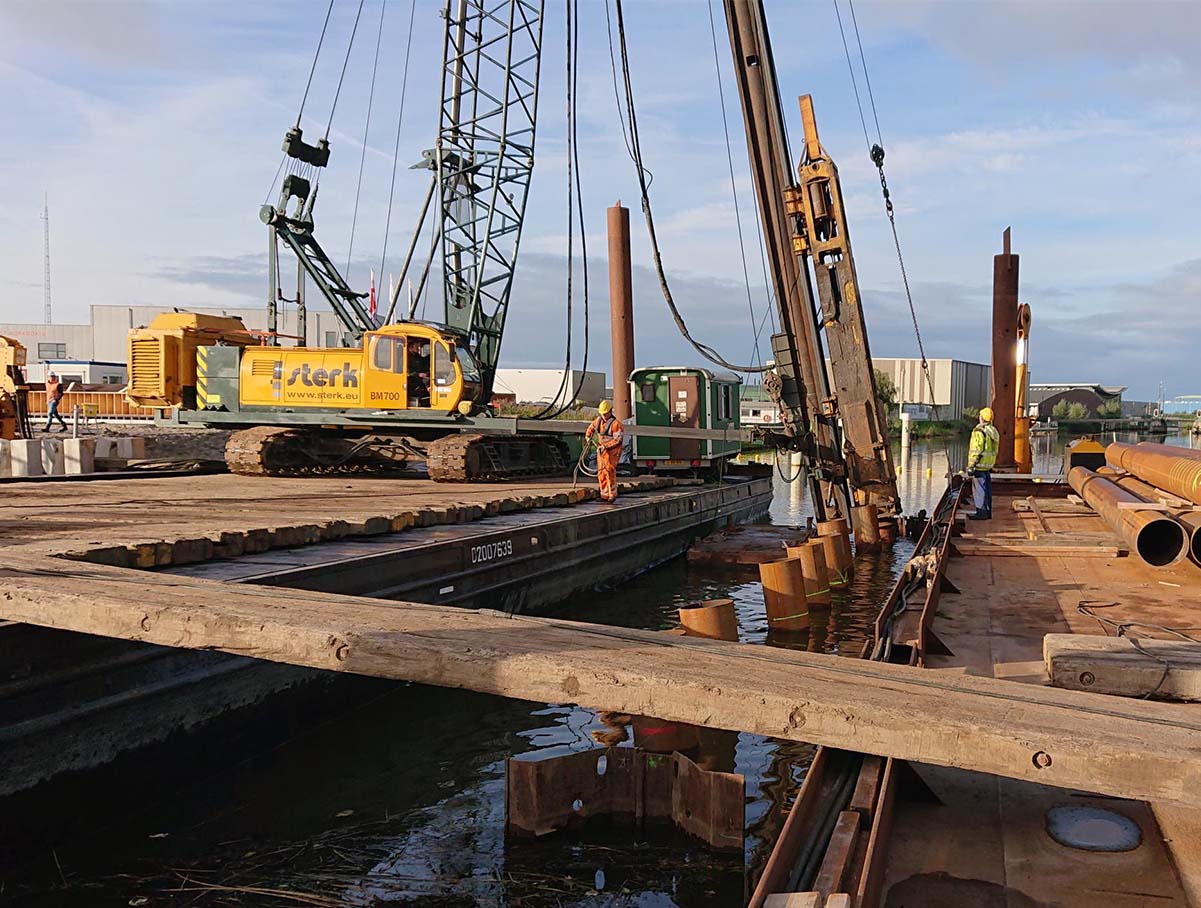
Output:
x,y
1004,351
1190,521
621,309
1177,474
713,618
1190,453
1158,540
784,597
812,555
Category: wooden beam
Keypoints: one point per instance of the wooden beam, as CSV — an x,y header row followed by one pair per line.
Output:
x,y
1116,665
1132,749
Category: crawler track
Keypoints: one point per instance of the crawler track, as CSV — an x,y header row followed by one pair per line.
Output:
x,y
278,451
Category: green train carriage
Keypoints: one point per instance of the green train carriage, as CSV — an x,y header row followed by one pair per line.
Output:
x,y
685,397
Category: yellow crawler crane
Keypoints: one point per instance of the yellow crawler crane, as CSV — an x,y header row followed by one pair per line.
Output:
x,y
408,393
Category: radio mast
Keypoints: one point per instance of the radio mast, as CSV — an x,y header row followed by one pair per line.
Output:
x,y
46,257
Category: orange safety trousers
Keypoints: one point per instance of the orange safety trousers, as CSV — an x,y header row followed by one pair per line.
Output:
x,y
606,471
609,438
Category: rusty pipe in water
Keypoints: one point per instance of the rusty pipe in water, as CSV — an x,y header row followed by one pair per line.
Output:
x,y
1158,540
1174,473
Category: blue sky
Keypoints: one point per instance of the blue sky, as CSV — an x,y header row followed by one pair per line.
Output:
x,y
155,128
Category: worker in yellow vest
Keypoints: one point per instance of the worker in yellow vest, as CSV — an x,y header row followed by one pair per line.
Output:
x,y
981,457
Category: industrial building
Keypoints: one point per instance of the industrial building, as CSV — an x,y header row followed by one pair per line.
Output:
x,y
541,386
1044,396
959,386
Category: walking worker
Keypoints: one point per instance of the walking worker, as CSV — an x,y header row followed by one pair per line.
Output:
x,y
981,456
54,394
610,435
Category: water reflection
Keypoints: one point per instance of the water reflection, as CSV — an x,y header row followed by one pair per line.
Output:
x,y
398,794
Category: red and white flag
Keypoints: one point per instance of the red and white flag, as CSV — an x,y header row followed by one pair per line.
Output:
x,y
371,302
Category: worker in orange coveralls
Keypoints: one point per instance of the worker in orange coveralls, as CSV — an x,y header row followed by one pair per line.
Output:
x,y
609,434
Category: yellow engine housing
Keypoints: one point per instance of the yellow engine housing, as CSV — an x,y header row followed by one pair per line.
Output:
x,y
162,356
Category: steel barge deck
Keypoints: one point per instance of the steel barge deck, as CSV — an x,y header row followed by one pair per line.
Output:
x,y
70,701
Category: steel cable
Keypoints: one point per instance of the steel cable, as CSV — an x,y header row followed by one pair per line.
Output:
x,y
703,349
345,62
404,85
366,132
725,125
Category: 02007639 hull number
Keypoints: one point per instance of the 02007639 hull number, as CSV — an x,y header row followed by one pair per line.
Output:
x,y
490,551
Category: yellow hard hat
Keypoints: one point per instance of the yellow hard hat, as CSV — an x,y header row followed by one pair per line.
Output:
x,y
986,414
605,407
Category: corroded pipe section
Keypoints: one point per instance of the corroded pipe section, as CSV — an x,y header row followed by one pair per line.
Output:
x,y
1004,345
784,594
1175,473
812,555
1175,450
713,618
621,308
1158,540
1190,521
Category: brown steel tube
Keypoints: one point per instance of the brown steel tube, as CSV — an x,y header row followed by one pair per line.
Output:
x,y
1175,473
1192,525
836,526
784,594
1191,453
621,308
812,556
1004,350
1158,540
839,560
713,618
1190,521
866,518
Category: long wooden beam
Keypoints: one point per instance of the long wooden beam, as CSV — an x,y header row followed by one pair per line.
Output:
x,y
1135,749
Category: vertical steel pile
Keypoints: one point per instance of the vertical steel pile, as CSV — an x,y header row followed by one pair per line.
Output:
x,y
1004,347
1157,539
621,308
1160,465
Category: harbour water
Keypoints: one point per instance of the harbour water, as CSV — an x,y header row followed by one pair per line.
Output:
x,y
364,792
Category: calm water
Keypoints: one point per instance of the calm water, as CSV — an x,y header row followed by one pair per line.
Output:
x,y
366,792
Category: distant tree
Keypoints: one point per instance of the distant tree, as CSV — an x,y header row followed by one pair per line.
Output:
x,y
1060,410
1077,411
886,392
1111,409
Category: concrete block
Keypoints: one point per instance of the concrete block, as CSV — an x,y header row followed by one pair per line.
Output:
x,y
79,455
25,457
53,458
5,458
125,448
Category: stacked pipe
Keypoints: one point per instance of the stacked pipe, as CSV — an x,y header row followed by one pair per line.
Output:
x,y
1147,492
1154,471
1156,538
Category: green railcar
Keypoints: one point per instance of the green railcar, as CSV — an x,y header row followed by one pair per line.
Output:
x,y
684,397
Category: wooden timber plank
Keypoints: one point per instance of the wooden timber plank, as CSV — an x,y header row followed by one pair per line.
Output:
x,y
794,900
1038,515
1149,751
1113,665
835,867
1000,550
